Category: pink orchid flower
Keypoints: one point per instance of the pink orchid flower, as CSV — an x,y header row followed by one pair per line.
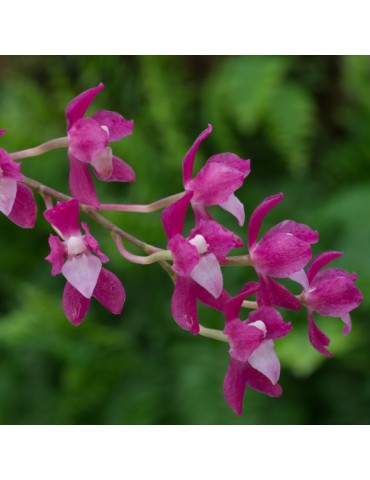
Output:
x,y
197,261
80,260
216,182
331,293
16,199
253,358
281,252
88,139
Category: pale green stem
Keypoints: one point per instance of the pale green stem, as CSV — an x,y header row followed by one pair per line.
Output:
x,y
239,261
151,207
248,304
162,255
43,148
212,333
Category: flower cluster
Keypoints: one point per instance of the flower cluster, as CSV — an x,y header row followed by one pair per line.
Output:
x,y
198,256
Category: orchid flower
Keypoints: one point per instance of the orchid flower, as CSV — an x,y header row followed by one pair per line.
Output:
x,y
78,258
16,199
88,139
281,252
331,292
253,358
216,182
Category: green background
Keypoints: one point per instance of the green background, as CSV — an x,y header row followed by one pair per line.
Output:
x,y
304,122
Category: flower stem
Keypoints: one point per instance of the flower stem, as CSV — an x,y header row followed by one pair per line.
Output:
x,y
154,257
43,148
249,304
151,207
239,261
213,333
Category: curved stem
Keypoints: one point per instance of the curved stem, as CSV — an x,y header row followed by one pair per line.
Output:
x,y
151,207
239,261
213,333
61,142
154,257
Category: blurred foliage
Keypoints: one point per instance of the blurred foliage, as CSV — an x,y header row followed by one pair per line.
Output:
x,y
304,121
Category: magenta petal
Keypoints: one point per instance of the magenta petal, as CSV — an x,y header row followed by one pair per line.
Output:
x,y
220,240
214,184
78,106
188,162
118,127
82,272
243,339
185,255
87,140
207,273
75,305
265,361
280,255
281,296
8,192
121,172
274,323
184,305
173,217
235,383
299,230
2,131
65,218
261,383
233,161
93,244
320,261
81,184
57,254
317,338
234,206
233,305
103,164
24,210
109,291
8,167
258,215
347,324
333,293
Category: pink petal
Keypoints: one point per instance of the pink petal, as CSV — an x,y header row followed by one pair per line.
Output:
x,y
86,140
282,297
317,338
220,240
24,210
188,163
232,160
299,230
234,206
243,339
320,261
82,272
274,323
80,183
280,255
301,278
185,255
93,244
258,215
214,184
184,305
57,254
103,164
208,275
235,383
78,106
334,293
173,217
261,383
265,361
121,172
8,192
9,168
118,126
233,305
207,299
75,305
65,218
347,324
109,292
2,131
